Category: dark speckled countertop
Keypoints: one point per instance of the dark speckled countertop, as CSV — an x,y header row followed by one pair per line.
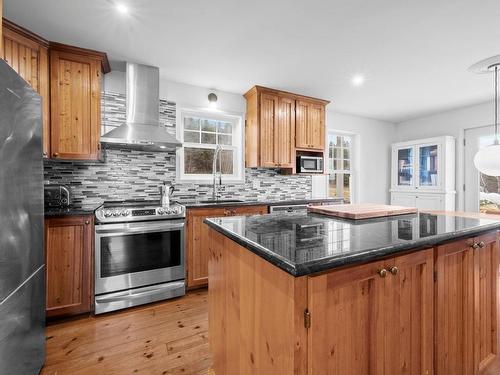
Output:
x,y
233,203
77,209
304,243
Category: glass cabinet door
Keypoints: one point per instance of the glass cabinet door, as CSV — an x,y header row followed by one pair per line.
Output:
x,y
405,166
428,165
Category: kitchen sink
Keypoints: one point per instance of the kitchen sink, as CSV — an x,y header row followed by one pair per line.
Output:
x,y
222,201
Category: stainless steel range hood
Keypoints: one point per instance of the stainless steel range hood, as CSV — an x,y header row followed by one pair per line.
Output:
x,y
142,130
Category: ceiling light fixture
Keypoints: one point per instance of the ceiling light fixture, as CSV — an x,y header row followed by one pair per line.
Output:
x,y
358,80
487,159
121,8
212,100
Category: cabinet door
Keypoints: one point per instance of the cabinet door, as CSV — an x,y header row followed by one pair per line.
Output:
x,y
301,128
316,124
347,326
430,202
428,166
486,299
30,60
68,255
401,199
454,329
197,252
409,313
75,106
284,134
268,123
405,167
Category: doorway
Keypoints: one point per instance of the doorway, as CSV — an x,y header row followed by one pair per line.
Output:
x,y
482,192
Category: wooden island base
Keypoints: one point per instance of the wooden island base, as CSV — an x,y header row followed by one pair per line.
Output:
x,y
431,311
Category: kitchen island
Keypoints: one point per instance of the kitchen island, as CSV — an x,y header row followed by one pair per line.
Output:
x,y
311,294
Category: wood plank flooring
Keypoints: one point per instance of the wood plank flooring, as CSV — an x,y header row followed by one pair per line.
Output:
x,y
164,338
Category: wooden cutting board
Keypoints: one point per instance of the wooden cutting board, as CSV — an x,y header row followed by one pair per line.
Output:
x,y
361,211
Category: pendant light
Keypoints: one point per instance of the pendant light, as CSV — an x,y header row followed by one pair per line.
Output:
x,y
487,159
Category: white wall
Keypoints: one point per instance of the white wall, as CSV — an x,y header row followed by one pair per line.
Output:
x,y
373,139
372,142
449,123
182,94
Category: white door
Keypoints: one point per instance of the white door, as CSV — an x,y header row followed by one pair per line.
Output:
x,y
482,193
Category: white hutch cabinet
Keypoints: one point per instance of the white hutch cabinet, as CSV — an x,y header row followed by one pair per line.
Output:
x,y
423,173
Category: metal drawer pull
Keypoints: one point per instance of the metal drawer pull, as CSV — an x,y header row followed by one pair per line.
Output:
x,y
382,273
394,270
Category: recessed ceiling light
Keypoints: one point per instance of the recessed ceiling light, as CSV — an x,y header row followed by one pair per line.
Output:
x,y
358,80
121,8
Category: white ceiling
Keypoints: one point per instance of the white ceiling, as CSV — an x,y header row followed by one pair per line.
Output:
x,y
415,54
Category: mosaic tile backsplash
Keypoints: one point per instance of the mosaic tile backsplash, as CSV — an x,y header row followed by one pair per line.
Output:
x,y
130,174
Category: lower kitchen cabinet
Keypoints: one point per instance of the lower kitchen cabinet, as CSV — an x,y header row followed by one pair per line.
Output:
x,y
374,318
198,238
466,305
68,263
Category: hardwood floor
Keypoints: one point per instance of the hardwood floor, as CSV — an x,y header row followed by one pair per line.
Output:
x,y
163,338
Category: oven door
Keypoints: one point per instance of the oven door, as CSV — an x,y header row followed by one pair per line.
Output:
x,y
130,255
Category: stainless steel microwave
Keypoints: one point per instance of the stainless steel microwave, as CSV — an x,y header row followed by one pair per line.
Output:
x,y
309,164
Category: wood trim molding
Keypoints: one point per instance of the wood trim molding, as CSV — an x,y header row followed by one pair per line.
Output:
x,y
25,32
261,89
102,56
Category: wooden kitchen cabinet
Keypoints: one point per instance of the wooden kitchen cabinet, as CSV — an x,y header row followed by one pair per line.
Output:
x,y
27,53
466,305
274,120
75,93
369,320
310,125
197,241
68,265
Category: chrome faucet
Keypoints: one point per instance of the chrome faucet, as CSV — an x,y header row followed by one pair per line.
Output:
x,y
217,152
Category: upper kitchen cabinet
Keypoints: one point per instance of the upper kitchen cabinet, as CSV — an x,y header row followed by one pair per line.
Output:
x,y
423,173
75,93
27,53
278,123
310,125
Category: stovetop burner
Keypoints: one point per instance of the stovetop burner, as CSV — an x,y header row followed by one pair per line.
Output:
x,y
137,210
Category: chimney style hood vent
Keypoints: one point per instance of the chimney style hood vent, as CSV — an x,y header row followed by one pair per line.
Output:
x,y
142,131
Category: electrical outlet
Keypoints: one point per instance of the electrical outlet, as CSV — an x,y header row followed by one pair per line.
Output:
x,y
256,184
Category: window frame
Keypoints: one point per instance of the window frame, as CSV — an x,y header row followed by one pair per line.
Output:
x,y
352,171
236,119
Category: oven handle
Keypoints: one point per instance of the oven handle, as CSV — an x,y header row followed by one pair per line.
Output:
x,y
120,229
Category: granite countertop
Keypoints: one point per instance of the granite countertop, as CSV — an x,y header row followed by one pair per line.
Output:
x,y
305,243
74,209
201,203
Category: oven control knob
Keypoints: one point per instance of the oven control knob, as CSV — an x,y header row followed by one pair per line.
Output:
x,y
161,211
123,213
116,213
107,213
126,213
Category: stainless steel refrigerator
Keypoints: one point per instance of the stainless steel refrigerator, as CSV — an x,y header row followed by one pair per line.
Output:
x,y
22,280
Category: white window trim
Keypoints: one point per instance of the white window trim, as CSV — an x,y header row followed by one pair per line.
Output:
x,y
238,145
354,161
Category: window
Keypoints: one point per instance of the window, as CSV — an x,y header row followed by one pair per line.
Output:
x,y
340,166
201,131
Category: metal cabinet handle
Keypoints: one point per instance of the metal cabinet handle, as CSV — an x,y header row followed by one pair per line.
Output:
x,y
56,154
482,244
394,270
87,222
382,273
475,246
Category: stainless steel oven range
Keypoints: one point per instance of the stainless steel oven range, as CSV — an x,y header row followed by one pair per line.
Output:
x,y
139,254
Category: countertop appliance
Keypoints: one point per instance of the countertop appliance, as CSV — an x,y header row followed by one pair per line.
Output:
x,y
56,196
309,164
139,254
22,273
291,209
